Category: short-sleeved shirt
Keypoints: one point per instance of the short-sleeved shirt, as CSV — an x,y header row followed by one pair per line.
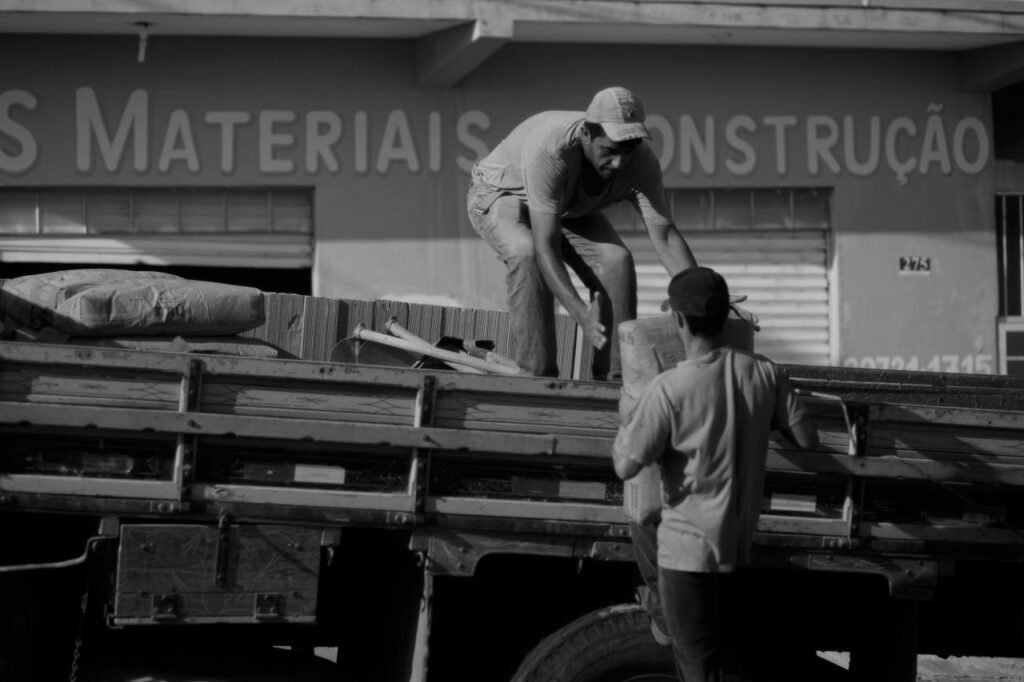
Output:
x,y
707,421
541,161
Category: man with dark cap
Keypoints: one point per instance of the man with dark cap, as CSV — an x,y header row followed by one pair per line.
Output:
x,y
537,198
707,422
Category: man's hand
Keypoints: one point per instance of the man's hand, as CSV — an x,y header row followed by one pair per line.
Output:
x,y
743,313
593,330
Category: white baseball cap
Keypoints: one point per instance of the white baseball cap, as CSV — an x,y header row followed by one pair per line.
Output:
x,y
620,113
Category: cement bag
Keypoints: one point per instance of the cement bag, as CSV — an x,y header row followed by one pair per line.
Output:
x,y
160,307
109,302
650,346
32,300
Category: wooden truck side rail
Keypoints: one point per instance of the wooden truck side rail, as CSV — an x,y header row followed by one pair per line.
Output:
x,y
193,436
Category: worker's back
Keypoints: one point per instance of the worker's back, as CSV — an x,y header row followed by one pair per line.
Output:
x,y
722,407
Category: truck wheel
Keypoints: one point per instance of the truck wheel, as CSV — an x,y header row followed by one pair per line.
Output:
x,y
613,644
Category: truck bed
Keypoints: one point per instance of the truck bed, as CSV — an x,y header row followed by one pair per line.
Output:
x,y
935,462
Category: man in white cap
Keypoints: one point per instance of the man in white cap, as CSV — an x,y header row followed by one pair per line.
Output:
x,y
537,200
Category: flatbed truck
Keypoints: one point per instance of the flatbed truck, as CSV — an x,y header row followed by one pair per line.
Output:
x,y
437,525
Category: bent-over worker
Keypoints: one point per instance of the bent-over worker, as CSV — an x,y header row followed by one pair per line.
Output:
x,y
537,198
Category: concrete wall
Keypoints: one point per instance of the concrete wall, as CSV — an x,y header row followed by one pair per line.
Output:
x,y
907,155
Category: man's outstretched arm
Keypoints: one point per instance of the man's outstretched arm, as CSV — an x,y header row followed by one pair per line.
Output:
x,y
670,245
547,244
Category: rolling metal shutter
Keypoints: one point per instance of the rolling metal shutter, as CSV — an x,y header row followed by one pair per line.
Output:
x,y
784,274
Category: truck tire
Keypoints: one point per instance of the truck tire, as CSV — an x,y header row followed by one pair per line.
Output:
x,y
613,644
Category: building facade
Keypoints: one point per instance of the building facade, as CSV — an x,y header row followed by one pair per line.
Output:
x,y
848,166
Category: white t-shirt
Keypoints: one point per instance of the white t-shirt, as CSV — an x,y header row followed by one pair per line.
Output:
x,y
541,161
707,421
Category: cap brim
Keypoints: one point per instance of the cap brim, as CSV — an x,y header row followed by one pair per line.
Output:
x,y
666,306
620,132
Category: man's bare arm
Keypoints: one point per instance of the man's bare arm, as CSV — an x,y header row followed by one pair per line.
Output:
x,y
803,434
547,241
672,249
626,467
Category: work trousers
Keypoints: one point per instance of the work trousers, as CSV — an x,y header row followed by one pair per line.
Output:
x,y
702,617
590,247
644,537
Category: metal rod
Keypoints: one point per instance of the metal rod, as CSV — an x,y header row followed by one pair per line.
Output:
x,y
67,563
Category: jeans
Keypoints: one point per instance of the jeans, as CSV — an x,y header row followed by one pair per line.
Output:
x,y
645,550
701,614
590,247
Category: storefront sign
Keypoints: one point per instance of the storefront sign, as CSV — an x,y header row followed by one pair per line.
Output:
x,y
286,141
131,136
902,145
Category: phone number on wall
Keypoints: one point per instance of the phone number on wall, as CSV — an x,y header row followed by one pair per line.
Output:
x,y
967,364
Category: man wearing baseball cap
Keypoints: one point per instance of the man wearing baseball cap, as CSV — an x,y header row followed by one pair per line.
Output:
x,y
537,198
707,422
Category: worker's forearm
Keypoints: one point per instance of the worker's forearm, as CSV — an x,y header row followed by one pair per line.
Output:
x,y
674,252
679,255
557,278
547,241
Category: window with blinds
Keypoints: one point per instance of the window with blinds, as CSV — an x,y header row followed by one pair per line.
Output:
x,y
152,211
737,209
227,227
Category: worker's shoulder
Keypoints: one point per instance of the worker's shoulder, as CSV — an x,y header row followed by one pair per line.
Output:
x,y
750,358
749,355
755,369
555,117
547,125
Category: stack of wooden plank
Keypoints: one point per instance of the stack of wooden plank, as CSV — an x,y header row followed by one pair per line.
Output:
x,y
309,327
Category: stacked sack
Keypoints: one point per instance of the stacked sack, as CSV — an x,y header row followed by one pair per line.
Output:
x,y
136,310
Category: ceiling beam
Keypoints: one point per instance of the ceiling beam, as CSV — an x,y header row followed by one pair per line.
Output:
x,y
446,57
991,68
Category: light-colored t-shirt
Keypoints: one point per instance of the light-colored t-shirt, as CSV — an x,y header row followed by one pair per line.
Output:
x,y
541,161
707,421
